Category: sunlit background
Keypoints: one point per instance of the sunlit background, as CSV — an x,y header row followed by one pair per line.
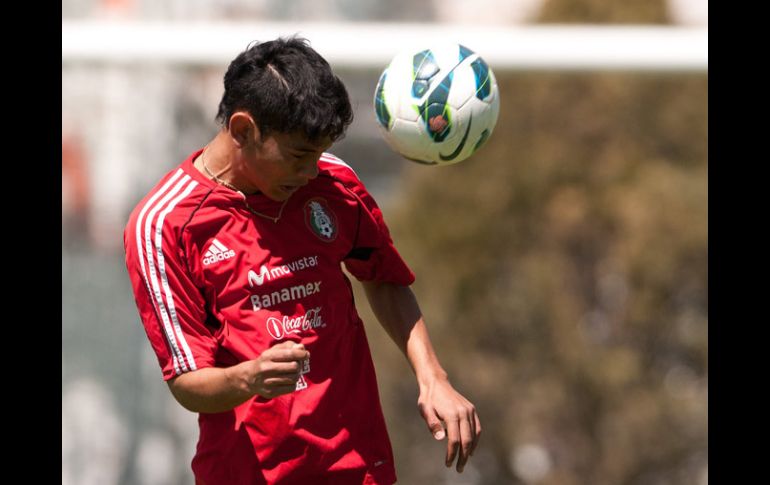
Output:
x,y
562,269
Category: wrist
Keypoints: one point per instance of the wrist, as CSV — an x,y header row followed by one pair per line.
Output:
x,y
234,379
426,380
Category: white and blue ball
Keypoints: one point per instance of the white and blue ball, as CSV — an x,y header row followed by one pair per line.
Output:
x,y
437,105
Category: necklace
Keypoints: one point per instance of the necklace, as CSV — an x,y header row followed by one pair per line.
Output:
x,y
234,188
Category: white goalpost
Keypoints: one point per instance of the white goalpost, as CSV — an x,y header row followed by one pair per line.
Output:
x,y
372,45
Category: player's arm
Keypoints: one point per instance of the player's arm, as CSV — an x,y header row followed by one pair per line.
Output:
x,y
398,312
215,389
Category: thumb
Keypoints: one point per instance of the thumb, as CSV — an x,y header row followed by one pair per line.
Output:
x,y
434,424
437,430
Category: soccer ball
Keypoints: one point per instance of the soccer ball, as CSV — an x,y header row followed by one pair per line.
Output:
x,y
437,105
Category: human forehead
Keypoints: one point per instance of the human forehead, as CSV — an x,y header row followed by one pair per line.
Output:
x,y
297,140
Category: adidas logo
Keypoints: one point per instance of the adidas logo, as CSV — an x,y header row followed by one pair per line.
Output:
x,y
217,252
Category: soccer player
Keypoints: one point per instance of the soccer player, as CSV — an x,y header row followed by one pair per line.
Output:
x,y
235,258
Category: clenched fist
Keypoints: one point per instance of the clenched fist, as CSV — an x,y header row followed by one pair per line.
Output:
x,y
276,371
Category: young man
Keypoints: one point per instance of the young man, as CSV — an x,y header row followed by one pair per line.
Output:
x,y
235,260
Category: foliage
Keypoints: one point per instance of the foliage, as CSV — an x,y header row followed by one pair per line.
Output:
x,y
563,274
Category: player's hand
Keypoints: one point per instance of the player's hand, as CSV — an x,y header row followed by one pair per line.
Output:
x,y
276,371
440,402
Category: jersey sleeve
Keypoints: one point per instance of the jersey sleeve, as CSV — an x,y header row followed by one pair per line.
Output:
x,y
374,256
171,306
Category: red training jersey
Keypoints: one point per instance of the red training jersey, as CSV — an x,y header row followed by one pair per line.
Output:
x,y
217,284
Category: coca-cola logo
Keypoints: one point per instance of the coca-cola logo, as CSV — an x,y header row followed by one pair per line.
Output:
x,y
278,328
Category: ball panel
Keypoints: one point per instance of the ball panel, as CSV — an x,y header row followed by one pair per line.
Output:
x,y
423,71
464,84
435,111
482,139
380,105
446,156
407,138
465,52
483,83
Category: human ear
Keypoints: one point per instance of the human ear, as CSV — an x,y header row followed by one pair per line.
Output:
x,y
242,129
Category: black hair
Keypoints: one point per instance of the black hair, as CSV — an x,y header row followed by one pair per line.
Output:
x,y
286,86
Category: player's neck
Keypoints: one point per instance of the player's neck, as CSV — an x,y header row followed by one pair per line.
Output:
x,y
216,163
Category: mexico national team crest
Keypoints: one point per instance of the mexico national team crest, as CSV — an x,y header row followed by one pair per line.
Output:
x,y
320,219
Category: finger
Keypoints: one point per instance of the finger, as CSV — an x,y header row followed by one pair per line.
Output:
x,y
434,424
274,382
285,377
472,421
476,431
286,344
466,441
272,369
287,355
453,442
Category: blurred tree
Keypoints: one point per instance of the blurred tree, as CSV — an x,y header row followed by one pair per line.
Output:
x,y
563,272
604,11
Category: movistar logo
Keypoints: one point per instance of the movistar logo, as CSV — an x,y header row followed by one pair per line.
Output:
x,y
269,274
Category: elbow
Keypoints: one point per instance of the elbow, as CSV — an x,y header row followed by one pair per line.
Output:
x,y
194,391
188,404
184,396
